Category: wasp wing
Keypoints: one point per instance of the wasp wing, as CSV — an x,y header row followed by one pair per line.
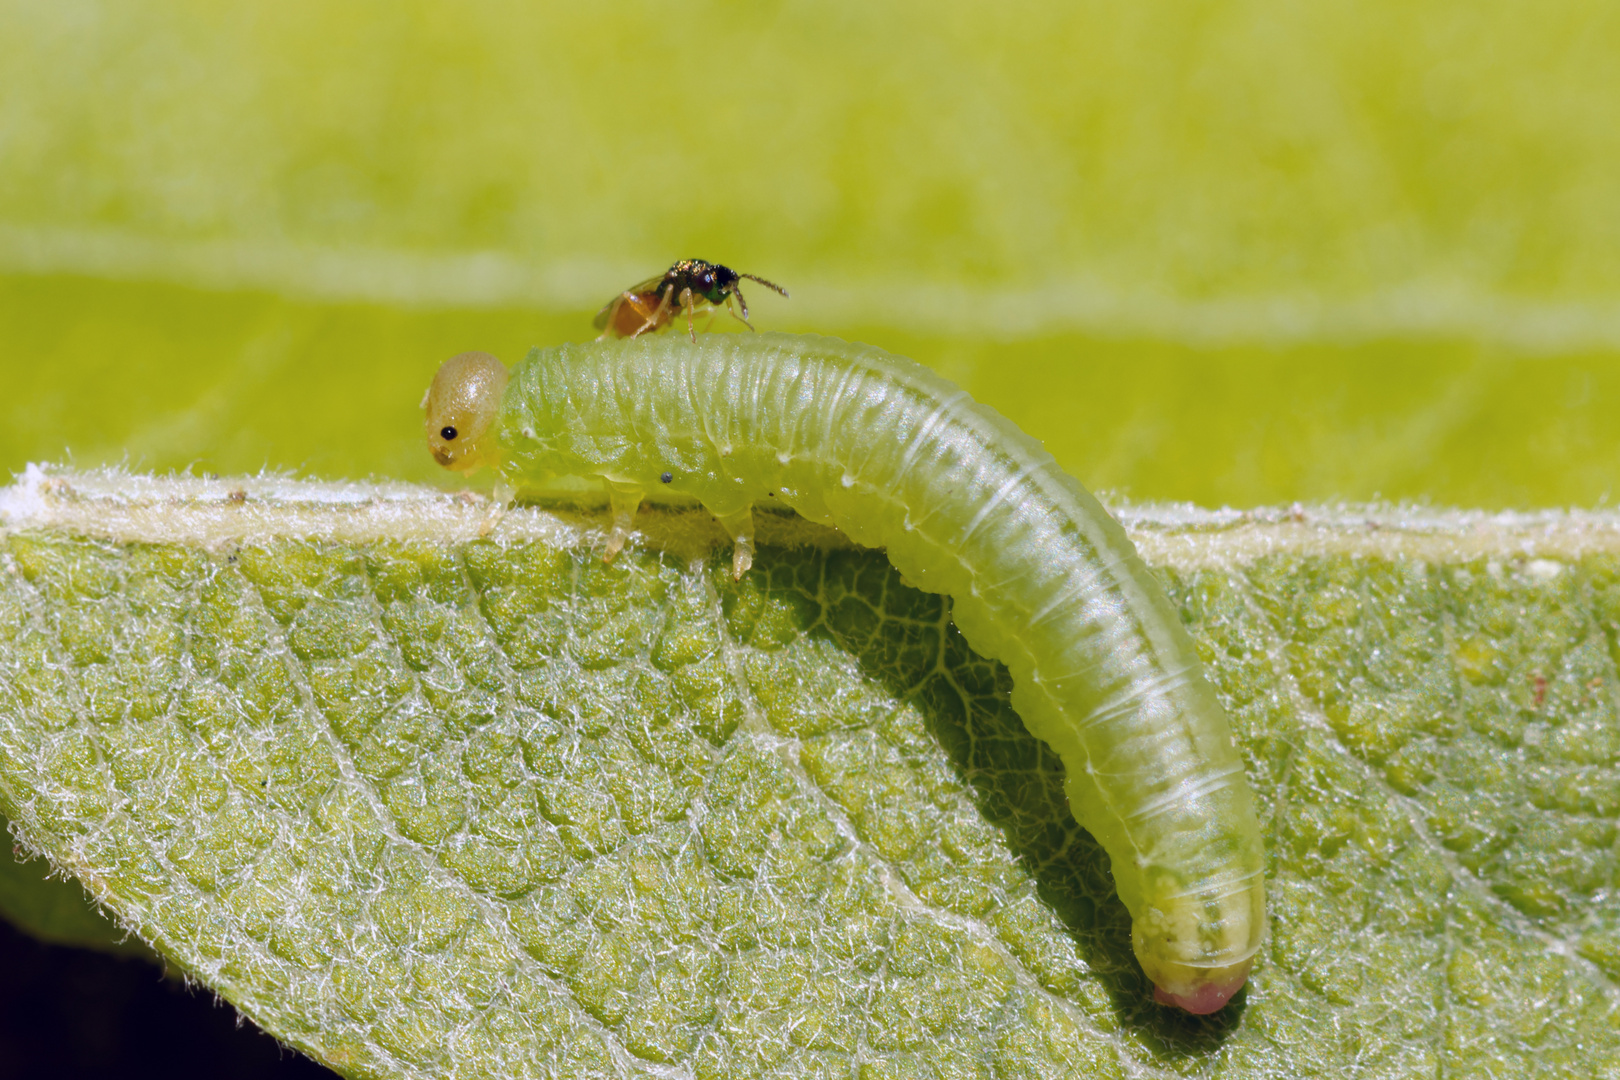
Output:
x,y
651,285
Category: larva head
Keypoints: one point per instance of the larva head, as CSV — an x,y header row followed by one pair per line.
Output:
x,y
462,405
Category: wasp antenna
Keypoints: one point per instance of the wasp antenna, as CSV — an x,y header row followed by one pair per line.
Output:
x,y
767,284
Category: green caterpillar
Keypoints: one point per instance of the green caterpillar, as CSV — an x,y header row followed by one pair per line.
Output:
x,y
1041,578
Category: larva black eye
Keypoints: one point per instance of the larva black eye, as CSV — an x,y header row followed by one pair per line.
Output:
x,y
667,477
447,433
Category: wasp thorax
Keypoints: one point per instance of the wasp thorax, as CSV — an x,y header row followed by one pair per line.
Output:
x,y
462,405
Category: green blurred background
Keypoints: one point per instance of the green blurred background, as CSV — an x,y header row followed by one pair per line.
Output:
x,y
1235,253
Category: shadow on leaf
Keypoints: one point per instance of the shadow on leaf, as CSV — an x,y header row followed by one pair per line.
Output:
x,y
1016,782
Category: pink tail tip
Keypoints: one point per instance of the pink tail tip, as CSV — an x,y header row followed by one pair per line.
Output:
x,y
1211,997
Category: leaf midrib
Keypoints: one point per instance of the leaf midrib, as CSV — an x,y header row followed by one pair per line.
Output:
x,y
211,513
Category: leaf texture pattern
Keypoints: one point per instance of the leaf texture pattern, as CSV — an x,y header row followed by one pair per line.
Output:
x,y
491,808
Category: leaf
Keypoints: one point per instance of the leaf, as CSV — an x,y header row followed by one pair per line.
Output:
x,y
425,803
55,910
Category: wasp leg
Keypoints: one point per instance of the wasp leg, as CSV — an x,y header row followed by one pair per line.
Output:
x,y
611,328
743,318
689,306
623,502
740,527
656,319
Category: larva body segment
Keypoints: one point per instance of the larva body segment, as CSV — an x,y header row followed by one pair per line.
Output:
x,y
1040,576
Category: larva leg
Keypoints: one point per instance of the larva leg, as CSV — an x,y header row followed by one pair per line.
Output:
x,y
740,527
503,497
623,502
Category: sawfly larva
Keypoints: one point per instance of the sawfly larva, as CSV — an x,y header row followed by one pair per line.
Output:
x,y
1040,576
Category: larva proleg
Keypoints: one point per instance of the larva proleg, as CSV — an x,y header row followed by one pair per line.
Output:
x,y
1040,577
623,502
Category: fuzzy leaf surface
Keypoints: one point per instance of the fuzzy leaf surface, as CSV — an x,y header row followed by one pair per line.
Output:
x,y
428,803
